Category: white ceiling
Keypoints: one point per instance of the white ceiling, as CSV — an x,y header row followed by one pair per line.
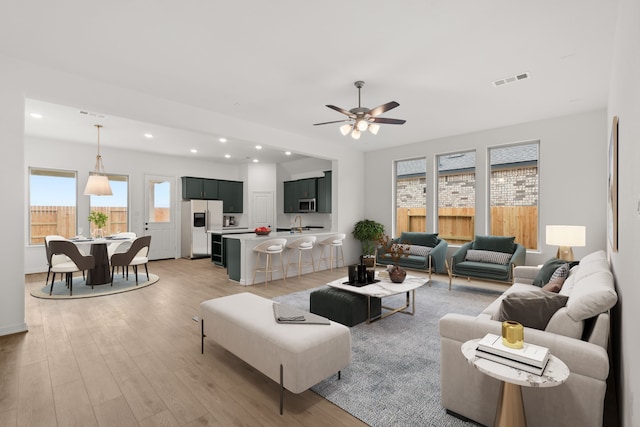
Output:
x,y
279,63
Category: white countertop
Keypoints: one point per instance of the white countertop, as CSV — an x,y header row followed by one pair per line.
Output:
x,y
278,234
232,230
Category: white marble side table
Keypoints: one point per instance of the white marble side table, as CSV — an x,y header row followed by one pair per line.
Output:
x,y
510,408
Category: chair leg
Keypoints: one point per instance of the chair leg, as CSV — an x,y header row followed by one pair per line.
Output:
x,y
46,282
146,270
52,280
112,269
135,270
70,283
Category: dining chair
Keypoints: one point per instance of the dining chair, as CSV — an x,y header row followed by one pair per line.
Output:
x,y
50,258
120,246
136,255
76,262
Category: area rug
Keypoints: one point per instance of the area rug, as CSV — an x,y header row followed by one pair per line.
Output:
x,y
394,377
81,290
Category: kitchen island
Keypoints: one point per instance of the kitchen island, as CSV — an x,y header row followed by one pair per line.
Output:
x,y
241,259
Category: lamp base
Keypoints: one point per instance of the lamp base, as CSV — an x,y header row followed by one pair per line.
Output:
x,y
565,253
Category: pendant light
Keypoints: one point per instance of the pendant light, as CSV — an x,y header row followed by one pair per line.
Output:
x,y
98,183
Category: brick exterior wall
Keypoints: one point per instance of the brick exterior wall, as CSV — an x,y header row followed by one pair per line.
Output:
x,y
509,187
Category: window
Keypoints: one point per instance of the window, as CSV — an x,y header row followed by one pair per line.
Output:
x,y
457,196
411,201
52,204
513,192
116,206
159,201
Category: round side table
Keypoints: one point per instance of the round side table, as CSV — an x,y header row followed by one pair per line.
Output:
x,y
510,408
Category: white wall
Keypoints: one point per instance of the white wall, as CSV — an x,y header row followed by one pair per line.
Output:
x,y
573,175
20,80
624,102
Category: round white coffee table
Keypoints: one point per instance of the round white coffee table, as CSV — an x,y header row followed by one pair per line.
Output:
x,y
510,409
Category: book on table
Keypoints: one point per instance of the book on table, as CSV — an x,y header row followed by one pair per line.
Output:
x,y
530,354
510,362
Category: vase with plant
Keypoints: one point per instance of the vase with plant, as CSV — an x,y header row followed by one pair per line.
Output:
x,y
394,250
368,232
99,219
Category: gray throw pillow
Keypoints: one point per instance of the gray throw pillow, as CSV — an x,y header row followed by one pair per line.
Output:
x,y
532,309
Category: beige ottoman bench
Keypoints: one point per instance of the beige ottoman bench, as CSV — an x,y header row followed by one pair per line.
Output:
x,y
297,356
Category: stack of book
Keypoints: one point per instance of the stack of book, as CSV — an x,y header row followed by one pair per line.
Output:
x,y
530,358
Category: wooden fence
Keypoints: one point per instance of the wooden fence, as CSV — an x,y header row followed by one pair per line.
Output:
x,y
457,225
61,220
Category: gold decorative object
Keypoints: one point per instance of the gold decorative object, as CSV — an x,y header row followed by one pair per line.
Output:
x,y
512,334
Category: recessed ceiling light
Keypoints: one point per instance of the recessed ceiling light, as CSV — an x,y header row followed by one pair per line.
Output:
x,y
193,150
227,156
288,153
148,135
258,147
36,115
222,139
255,160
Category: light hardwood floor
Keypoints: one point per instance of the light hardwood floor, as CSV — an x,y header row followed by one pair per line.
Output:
x,y
133,359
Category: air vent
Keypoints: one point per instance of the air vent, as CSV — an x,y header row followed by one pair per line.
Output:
x,y
89,113
511,79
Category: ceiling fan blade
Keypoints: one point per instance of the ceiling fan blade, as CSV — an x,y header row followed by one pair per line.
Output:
x,y
335,121
386,121
342,110
382,108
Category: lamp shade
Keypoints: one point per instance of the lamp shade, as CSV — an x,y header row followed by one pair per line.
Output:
x,y
98,185
566,235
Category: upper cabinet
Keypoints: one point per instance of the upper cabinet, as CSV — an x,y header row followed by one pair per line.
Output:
x,y
323,198
308,188
230,192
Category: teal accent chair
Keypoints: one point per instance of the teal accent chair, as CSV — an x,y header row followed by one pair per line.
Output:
x,y
486,270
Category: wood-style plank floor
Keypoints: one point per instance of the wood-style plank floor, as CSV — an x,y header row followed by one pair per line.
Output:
x,y
133,359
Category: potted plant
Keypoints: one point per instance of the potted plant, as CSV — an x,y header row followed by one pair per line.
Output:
x,y
99,219
368,232
394,250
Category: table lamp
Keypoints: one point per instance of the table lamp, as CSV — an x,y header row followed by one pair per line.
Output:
x,y
566,236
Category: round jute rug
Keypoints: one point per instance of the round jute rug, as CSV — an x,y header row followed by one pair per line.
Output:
x,y
81,290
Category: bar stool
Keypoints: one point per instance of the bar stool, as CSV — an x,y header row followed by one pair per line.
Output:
x,y
269,248
333,243
304,244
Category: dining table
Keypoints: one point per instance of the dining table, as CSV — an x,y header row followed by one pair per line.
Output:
x,y
100,274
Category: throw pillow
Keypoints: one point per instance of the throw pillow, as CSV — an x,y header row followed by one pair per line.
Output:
x,y
533,309
495,243
560,274
419,238
547,270
419,250
488,257
553,286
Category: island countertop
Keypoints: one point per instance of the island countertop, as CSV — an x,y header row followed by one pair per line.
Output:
x,y
241,258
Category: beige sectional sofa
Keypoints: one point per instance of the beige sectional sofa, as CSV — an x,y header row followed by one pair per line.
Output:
x,y
577,333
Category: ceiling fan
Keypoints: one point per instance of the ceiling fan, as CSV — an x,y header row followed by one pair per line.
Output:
x,y
362,118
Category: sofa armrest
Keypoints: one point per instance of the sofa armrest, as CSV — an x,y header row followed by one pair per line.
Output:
x,y
459,255
582,358
439,255
525,274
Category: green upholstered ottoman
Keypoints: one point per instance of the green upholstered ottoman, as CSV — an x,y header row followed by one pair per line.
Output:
x,y
343,306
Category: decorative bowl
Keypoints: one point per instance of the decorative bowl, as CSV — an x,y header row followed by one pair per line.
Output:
x,y
262,233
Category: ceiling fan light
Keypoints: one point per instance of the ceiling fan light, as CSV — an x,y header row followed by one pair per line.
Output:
x,y
374,128
345,129
355,134
362,125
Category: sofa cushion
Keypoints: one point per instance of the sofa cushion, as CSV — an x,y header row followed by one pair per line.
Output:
x,y
488,256
419,250
419,238
495,243
591,295
531,308
547,270
557,278
482,270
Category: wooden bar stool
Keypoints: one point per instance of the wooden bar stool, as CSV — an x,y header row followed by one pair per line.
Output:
x,y
333,244
269,247
304,244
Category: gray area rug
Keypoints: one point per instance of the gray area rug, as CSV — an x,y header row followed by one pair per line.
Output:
x,y
81,290
394,377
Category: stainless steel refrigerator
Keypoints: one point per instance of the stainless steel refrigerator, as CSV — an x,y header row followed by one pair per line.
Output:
x,y
199,216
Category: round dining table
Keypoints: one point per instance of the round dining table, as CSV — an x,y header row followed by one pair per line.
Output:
x,y
100,274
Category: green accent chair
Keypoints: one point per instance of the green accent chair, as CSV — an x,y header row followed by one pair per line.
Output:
x,y
462,267
434,261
